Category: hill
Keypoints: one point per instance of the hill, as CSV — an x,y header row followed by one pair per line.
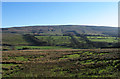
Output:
x,y
63,29
71,36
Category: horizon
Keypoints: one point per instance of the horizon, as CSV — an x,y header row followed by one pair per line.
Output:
x,y
57,25
17,14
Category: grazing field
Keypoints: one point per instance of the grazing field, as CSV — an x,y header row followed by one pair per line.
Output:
x,y
62,63
17,39
10,41
58,40
103,39
55,40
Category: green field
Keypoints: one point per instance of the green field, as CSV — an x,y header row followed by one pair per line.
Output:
x,y
55,40
66,39
41,47
103,39
79,39
18,41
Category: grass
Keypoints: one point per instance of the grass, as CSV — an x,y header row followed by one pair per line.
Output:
x,y
102,39
41,47
79,39
80,63
8,65
21,59
6,48
70,56
55,40
18,40
13,39
8,69
17,58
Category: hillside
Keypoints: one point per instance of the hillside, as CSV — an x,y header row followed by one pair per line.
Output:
x,y
13,39
68,36
63,29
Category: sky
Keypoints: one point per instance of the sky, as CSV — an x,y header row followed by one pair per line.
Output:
x,y
15,14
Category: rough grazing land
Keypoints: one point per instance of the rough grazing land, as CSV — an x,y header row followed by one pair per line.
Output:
x,y
62,63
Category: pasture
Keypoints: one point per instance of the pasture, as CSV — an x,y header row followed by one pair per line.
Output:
x,y
17,39
103,39
55,40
